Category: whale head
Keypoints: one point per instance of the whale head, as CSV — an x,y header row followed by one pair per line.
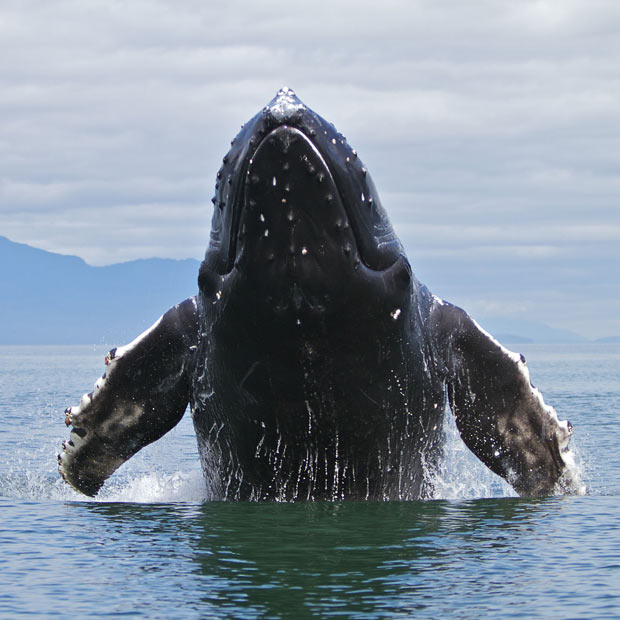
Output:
x,y
297,214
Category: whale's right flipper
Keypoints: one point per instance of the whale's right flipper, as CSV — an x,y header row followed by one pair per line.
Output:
x,y
142,395
501,417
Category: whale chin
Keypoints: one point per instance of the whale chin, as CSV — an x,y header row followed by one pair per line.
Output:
x,y
293,222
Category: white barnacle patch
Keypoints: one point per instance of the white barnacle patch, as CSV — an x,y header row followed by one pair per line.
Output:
x,y
285,105
75,440
395,313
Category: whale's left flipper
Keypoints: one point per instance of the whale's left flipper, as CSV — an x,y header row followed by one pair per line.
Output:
x,y
500,415
142,395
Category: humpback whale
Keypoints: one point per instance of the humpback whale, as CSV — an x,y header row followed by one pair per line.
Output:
x,y
315,365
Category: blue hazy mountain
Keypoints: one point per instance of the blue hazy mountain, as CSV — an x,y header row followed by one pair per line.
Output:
x,y
50,298
609,340
519,331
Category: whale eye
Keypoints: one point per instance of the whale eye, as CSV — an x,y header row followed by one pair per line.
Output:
x,y
207,282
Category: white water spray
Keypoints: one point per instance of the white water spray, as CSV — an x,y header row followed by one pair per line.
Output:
x,y
458,474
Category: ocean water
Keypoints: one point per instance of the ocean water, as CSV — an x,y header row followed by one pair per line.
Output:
x,y
152,545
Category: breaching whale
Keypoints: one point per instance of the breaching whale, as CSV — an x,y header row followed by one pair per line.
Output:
x,y
315,364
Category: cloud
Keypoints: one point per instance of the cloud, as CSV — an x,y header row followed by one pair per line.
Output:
x,y
490,127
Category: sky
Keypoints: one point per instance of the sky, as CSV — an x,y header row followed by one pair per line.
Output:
x,y
491,129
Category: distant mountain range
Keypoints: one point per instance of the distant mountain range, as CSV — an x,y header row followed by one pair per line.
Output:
x,y
518,331
50,298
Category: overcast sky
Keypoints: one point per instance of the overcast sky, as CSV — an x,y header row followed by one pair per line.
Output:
x,y
491,129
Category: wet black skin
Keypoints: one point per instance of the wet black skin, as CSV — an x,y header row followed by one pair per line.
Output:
x,y
314,326
315,364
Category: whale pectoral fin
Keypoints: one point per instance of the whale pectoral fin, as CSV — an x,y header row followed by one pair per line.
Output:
x,y
142,395
501,417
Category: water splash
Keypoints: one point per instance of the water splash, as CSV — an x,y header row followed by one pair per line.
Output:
x,y
158,488
458,474
150,477
154,487
572,481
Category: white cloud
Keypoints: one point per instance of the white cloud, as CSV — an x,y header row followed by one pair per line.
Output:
x,y
490,127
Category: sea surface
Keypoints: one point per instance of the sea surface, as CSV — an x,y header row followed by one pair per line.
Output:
x,y
152,545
